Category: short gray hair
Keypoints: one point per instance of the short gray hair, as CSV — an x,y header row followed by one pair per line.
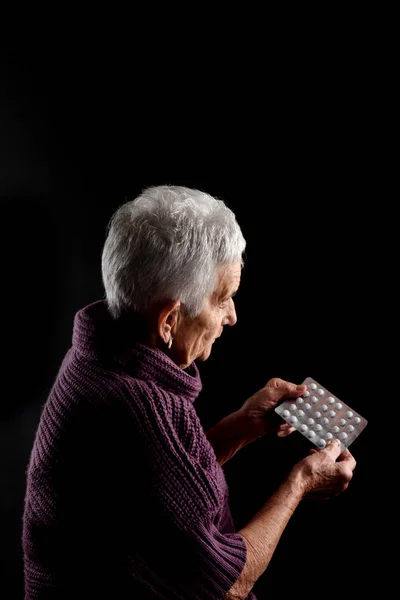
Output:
x,y
165,245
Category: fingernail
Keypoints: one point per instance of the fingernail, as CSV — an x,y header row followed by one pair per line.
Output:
x,y
301,386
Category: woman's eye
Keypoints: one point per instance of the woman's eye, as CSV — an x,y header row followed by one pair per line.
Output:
x,y
223,305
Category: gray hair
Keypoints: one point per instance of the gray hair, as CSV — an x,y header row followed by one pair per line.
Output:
x,y
165,245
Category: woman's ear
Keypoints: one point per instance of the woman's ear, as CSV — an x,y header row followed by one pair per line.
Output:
x,y
168,319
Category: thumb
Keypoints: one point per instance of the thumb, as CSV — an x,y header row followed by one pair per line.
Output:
x,y
293,390
333,448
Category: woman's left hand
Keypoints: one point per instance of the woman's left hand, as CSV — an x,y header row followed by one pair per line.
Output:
x,y
259,408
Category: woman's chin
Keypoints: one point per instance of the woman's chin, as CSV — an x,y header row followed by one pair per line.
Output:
x,y
206,353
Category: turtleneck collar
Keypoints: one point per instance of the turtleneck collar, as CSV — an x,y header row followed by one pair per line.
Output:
x,y
98,336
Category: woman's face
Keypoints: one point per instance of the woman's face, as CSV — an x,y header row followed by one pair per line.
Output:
x,y
193,338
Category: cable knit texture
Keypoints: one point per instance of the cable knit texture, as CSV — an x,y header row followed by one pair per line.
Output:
x,y
125,497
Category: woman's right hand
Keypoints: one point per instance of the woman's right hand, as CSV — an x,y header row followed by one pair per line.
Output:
x,y
326,472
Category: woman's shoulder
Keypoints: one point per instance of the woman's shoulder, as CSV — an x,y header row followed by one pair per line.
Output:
x,y
174,417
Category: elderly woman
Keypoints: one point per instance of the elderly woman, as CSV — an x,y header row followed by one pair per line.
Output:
x,y
126,497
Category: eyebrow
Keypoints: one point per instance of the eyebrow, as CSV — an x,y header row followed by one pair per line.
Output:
x,y
227,294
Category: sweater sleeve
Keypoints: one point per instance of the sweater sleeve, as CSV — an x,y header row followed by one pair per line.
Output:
x,y
220,558
190,557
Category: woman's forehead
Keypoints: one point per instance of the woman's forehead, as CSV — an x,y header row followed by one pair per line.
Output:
x,y
228,278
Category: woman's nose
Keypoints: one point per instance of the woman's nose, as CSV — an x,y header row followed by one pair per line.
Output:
x,y
231,316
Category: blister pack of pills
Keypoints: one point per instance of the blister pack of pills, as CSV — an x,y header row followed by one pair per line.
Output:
x,y
320,416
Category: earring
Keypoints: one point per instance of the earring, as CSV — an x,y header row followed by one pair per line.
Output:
x,y
170,342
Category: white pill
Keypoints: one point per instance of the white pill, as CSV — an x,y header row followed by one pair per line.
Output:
x,y
286,414
306,394
332,414
321,443
317,414
342,422
335,429
330,400
303,428
350,428
301,413
314,399
325,421
328,435
292,407
357,420
313,386
311,433
293,420
324,407
320,392
299,401
349,414
310,421
307,406
339,406
343,435
318,427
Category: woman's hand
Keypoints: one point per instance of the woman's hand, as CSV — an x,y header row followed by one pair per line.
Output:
x,y
326,472
259,408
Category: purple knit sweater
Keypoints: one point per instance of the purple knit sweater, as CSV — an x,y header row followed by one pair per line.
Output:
x,y
125,497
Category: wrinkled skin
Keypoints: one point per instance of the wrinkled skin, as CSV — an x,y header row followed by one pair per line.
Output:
x,y
259,408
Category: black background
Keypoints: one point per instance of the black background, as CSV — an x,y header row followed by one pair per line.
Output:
x,y
292,156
